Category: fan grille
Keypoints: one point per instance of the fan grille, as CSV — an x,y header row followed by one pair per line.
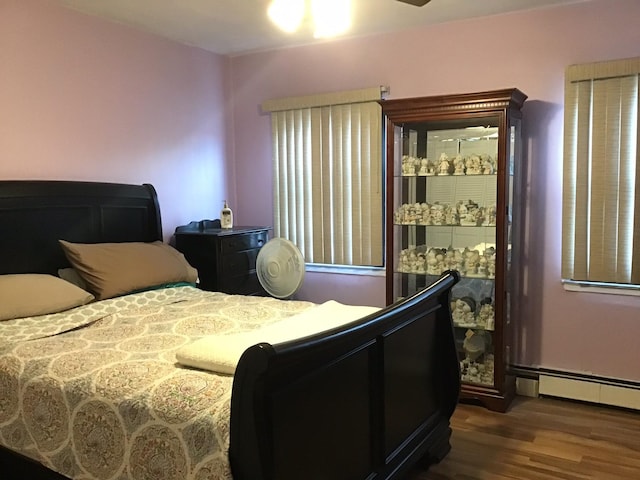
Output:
x,y
280,268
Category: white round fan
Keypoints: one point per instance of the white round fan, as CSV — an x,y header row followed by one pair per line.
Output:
x,y
280,267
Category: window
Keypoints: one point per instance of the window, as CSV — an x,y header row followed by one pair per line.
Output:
x,y
328,176
601,196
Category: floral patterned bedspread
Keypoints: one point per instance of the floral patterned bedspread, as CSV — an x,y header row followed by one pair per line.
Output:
x,y
96,393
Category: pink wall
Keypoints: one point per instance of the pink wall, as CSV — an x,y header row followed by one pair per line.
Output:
x,y
596,334
85,99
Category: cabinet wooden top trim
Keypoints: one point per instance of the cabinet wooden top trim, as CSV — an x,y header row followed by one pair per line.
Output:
x,y
467,102
219,232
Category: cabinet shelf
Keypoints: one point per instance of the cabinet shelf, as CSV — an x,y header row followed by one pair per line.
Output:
x,y
449,176
453,166
441,225
434,276
474,326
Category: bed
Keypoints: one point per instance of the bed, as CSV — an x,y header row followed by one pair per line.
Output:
x,y
96,390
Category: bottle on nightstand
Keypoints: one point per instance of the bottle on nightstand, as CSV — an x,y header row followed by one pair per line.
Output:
x,y
226,216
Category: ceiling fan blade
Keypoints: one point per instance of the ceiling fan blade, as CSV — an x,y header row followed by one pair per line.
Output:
x,y
417,3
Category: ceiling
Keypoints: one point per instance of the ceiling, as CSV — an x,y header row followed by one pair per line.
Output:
x,y
233,27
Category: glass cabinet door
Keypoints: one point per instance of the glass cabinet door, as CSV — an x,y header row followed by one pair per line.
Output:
x,y
445,219
453,204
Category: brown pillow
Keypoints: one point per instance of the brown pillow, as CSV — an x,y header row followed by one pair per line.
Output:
x,y
32,294
71,275
112,269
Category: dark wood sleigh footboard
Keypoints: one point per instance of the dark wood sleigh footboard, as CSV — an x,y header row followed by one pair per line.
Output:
x,y
362,402
367,401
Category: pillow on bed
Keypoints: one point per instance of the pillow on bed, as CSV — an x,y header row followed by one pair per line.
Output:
x,y
71,275
31,294
112,269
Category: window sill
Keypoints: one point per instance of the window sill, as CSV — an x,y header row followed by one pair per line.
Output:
x,y
600,287
346,270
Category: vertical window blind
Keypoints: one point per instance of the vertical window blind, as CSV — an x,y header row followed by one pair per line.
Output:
x,y
601,208
328,175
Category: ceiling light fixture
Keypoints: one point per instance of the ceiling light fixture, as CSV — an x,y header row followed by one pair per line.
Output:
x,y
330,17
287,14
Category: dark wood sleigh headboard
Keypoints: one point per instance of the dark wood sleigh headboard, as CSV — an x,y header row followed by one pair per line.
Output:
x,y
34,215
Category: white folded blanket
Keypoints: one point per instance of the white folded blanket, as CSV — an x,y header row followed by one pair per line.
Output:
x,y
220,353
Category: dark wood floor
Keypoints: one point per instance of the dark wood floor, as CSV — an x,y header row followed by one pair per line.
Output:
x,y
540,439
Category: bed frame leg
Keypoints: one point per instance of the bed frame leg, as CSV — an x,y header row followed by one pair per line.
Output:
x,y
437,450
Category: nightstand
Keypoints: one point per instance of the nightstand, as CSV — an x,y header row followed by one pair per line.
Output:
x,y
225,258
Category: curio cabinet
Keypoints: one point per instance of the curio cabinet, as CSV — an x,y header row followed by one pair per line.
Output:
x,y
453,191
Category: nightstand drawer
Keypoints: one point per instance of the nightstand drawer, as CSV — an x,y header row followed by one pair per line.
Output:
x,y
237,243
234,263
247,284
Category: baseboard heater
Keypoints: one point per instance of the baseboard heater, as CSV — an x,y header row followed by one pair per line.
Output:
x,y
579,386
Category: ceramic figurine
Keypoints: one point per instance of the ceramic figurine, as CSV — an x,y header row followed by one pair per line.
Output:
x,y
451,215
471,260
458,165
482,266
474,344
397,216
437,214
440,257
404,260
443,164
408,166
486,314
425,219
490,216
424,167
469,213
421,264
459,260
432,262
487,165
413,259
491,265
449,259
473,165
462,311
